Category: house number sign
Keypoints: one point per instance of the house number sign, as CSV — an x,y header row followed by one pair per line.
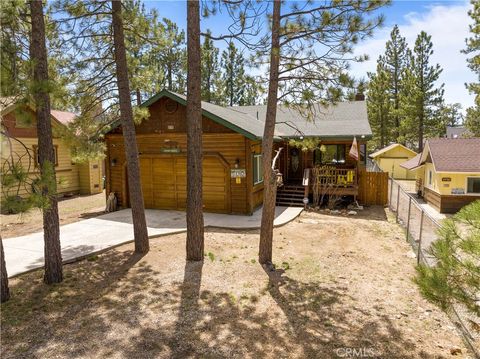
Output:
x,y
238,173
446,179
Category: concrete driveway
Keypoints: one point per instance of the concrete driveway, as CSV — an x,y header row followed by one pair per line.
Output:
x,y
81,239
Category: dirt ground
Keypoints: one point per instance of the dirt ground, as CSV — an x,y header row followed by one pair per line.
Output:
x,y
71,209
342,289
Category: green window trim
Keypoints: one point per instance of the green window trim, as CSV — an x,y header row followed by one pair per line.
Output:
x,y
257,169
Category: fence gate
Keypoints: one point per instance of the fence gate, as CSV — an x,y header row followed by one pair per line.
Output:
x,y
373,188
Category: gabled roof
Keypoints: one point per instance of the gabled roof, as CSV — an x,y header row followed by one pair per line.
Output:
x,y
8,104
456,131
412,163
343,120
453,154
236,121
391,147
63,117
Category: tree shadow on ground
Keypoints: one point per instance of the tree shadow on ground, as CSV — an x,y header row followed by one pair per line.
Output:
x,y
119,305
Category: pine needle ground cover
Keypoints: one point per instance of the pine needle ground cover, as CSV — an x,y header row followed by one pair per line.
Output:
x,y
70,210
342,283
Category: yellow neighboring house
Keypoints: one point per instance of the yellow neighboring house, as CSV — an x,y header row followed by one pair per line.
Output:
x,y
19,143
389,159
448,172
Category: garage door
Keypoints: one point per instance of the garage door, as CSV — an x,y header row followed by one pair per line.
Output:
x,y
164,183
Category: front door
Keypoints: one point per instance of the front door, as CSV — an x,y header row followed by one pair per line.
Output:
x,y
295,165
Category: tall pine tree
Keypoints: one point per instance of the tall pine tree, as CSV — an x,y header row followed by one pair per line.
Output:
x,y
46,156
211,74
395,61
380,106
472,121
421,97
128,129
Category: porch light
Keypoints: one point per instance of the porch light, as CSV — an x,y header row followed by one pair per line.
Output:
x,y
113,162
237,163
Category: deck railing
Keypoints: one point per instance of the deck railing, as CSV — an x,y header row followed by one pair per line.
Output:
x,y
332,176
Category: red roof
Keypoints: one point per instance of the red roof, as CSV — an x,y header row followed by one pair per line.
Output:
x,y
63,117
455,154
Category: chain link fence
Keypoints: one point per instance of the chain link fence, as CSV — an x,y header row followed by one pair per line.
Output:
x,y
421,228
421,231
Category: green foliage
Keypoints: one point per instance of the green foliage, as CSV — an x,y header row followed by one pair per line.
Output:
x,y
239,89
380,106
305,144
472,121
456,275
421,98
16,204
211,74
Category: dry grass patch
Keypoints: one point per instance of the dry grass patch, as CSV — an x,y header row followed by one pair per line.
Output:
x,y
339,284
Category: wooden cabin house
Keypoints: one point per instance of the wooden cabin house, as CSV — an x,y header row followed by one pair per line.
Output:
x,y
447,172
232,165
19,142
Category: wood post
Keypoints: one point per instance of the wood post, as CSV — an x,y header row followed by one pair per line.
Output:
x,y
391,190
398,202
408,219
420,239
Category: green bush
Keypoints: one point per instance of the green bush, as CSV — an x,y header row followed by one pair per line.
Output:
x,y
455,278
15,204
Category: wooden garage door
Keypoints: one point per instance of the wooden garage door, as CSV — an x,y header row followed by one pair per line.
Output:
x,y
164,183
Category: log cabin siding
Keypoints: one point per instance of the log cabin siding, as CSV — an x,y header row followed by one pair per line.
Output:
x,y
228,146
66,172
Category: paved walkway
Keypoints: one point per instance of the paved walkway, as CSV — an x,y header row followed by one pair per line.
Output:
x,y
81,239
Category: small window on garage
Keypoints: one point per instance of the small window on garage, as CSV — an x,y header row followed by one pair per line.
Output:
x,y
473,185
257,169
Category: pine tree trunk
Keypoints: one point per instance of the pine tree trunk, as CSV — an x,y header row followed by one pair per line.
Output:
x,y
269,178
195,230
46,155
128,127
5,291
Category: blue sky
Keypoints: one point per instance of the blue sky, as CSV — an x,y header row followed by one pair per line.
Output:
x,y
446,21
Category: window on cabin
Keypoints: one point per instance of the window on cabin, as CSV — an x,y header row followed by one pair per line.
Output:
x,y
330,155
430,176
37,160
473,185
257,169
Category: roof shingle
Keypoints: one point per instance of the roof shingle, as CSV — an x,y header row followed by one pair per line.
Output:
x,y
455,154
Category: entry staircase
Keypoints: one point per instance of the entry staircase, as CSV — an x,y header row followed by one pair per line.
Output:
x,y
290,195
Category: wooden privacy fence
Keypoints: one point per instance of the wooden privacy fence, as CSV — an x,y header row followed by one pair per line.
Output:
x,y
373,188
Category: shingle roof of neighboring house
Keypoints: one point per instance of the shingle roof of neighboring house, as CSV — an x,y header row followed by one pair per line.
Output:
x,y
64,117
412,163
345,119
456,132
454,154
7,104
388,148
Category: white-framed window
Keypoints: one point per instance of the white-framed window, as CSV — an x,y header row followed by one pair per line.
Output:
x,y
430,176
473,185
257,169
